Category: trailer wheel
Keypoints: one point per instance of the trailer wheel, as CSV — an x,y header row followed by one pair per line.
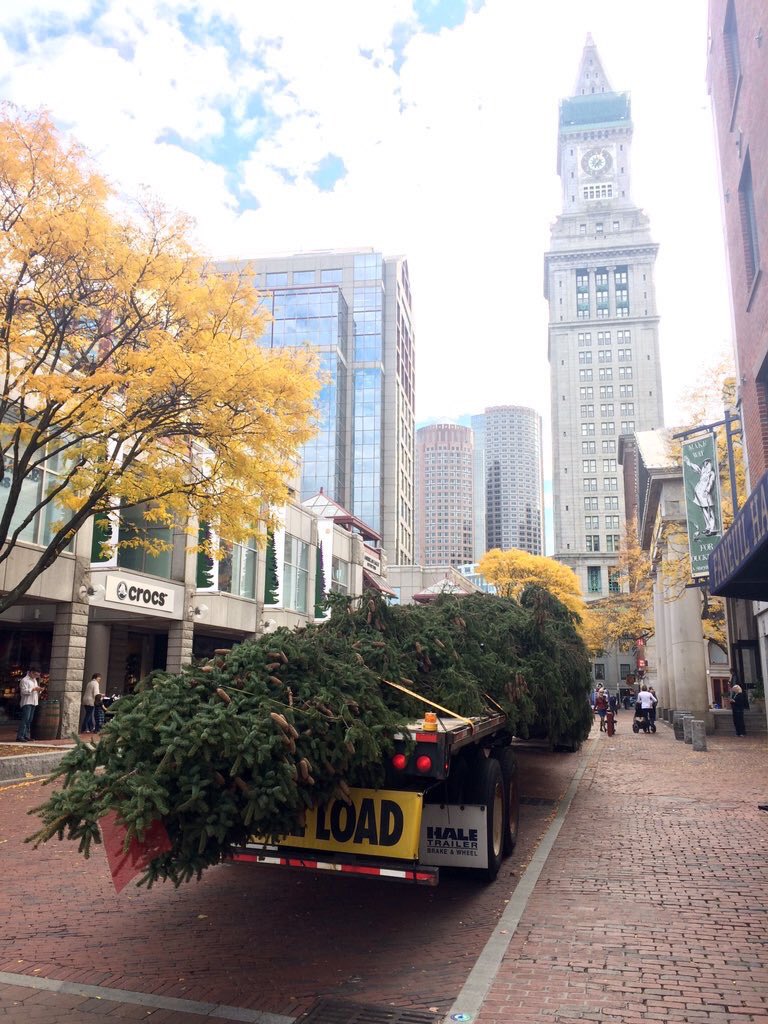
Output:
x,y
489,791
508,765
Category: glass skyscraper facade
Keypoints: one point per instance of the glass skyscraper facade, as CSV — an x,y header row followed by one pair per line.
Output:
x,y
317,317
354,308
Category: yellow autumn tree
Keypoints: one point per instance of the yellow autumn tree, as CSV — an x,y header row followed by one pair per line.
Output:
x,y
510,571
622,618
131,371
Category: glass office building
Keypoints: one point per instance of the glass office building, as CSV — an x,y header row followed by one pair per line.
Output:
x,y
354,308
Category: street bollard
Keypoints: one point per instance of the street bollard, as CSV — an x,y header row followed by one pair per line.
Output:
x,y
687,719
698,735
677,723
609,724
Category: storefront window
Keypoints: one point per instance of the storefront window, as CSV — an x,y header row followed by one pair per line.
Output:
x,y
35,485
340,576
295,574
134,528
233,573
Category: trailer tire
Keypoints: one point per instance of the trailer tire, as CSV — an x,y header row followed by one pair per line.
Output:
x,y
508,765
489,791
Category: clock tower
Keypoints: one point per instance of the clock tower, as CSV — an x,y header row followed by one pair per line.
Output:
x,y
603,333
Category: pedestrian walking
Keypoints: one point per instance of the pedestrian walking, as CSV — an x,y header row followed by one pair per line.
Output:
x,y
92,690
29,692
652,709
601,706
738,707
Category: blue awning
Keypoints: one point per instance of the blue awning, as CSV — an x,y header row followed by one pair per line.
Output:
x,y
738,567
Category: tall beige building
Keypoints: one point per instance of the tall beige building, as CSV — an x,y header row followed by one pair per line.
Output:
x,y
603,326
444,507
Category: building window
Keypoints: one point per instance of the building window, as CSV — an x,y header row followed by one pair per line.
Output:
x,y
605,372
611,522
603,337
134,527
611,483
591,522
594,585
627,426
609,465
339,576
593,542
606,409
585,357
608,427
277,280
330,276
614,580
627,409
587,429
295,574
612,546
604,191
303,277
731,47
624,670
582,295
604,355
625,372
626,391
748,223
589,484
586,410
587,447
590,504
585,393
585,338
625,355
608,446
610,502
589,465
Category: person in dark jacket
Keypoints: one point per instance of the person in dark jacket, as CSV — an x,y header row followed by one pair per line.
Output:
x,y
738,707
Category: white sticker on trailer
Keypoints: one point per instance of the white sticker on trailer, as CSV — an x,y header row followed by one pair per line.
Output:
x,y
453,835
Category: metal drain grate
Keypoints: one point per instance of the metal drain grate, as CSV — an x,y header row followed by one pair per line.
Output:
x,y
331,1011
537,801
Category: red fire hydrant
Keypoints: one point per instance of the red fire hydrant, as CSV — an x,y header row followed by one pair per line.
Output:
x,y
609,723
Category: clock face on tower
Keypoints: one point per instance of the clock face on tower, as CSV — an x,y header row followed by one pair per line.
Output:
x,y
597,162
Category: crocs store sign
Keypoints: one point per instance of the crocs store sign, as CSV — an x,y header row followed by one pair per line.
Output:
x,y
138,594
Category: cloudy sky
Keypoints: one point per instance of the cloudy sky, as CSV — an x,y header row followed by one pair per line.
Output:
x,y
421,127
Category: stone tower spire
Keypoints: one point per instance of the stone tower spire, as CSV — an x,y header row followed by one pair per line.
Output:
x,y
592,78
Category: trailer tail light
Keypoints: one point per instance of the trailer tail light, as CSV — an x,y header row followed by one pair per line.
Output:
x,y
423,764
399,761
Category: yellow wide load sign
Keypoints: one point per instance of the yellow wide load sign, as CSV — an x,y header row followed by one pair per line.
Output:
x,y
378,822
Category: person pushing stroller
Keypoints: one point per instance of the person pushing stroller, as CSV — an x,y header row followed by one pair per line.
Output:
x,y
645,705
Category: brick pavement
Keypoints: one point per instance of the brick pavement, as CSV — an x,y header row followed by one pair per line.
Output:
x,y
257,938
653,904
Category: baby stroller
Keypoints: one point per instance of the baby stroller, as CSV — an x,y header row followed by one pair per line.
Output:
x,y
642,721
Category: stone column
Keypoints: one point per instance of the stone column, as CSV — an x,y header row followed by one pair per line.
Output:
x,y
667,617
70,629
688,658
180,635
662,668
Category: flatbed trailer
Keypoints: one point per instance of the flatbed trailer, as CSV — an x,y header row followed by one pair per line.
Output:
x,y
450,799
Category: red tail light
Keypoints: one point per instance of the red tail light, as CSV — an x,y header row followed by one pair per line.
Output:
x,y
399,761
423,764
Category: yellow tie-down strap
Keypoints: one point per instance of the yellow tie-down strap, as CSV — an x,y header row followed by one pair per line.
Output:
x,y
377,823
431,703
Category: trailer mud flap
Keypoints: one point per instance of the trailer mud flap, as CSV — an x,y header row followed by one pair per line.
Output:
x,y
377,823
453,835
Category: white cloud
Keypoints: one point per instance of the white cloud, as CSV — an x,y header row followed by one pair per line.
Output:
x,y
451,162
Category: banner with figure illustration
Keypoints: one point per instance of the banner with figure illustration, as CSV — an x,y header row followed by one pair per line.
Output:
x,y
702,500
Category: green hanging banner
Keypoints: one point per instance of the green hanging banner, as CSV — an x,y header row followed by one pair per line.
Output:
x,y
702,500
